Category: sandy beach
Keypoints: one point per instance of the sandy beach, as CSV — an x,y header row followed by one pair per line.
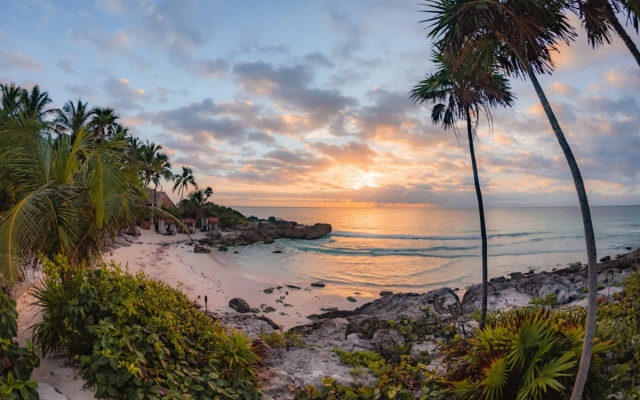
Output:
x,y
171,260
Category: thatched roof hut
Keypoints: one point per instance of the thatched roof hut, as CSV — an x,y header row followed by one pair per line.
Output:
x,y
162,199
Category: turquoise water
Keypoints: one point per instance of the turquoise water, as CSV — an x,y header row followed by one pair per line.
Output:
x,y
409,249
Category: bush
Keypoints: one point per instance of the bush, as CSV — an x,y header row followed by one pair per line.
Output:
x,y
550,300
526,354
16,363
619,321
278,340
138,338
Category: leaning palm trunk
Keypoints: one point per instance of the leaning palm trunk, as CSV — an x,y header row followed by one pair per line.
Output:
x,y
590,330
611,17
483,228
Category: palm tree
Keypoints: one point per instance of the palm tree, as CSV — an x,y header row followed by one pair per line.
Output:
x,y
183,181
103,123
73,117
520,36
198,199
9,98
67,198
161,169
32,104
599,16
463,94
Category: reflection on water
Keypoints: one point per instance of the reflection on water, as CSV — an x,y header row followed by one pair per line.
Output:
x,y
412,249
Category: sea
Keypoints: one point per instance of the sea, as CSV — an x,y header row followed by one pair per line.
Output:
x,y
419,249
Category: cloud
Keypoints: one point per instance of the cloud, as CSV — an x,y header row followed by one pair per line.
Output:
x,y
18,61
122,95
354,153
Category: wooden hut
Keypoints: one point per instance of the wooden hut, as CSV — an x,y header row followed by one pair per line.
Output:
x,y
190,223
209,224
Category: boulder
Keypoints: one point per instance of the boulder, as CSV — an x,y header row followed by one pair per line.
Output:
x,y
365,326
201,249
412,306
214,235
318,284
388,342
240,305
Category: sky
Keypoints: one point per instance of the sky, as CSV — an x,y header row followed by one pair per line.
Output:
x,y
306,103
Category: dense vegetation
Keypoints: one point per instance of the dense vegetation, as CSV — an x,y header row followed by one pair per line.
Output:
x,y
137,338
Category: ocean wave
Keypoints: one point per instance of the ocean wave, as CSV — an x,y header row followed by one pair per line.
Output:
x,y
360,235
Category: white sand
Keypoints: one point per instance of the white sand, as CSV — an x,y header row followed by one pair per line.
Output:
x,y
171,260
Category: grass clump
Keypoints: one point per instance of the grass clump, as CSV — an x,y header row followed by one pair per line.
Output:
x,y
137,338
550,300
279,340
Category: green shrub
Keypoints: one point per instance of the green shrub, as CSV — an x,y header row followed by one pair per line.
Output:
x,y
526,354
550,300
278,340
16,363
138,338
619,321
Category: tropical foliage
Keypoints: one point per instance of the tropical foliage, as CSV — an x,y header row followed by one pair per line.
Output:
x,y
16,363
138,338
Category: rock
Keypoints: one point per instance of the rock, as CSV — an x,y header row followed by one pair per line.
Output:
x,y
628,248
268,290
386,293
352,299
359,343
201,249
255,310
268,309
48,392
268,241
214,235
605,259
364,326
388,342
500,279
331,314
235,252
329,309
277,251
240,305
251,325
412,305
223,248
288,305
515,276
317,284
293,287
419,350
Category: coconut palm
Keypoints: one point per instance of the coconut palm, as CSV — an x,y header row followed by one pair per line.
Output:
x,y
464,94
73,117
197,200
9,98
599,17
32,104
103,123
183,181
161,169
70,198
148,154
521,35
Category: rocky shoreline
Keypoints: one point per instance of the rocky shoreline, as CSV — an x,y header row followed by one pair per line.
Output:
x,y
369,328
265,231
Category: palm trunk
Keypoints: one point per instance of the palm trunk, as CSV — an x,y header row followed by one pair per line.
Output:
x,y
483,228
590,329
611,17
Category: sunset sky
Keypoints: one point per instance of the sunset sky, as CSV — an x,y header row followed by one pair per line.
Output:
x,y
305,103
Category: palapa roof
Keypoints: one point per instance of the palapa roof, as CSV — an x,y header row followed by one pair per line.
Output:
x,y
162,199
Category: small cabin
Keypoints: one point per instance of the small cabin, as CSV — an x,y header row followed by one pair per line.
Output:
x,y
209,224
190,223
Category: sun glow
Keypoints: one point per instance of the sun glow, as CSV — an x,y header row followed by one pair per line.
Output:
x,y
365,180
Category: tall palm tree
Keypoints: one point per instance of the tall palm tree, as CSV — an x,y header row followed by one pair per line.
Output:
x,y
464,94
161,169
68,198
103,123
73,117
148,155
521,35
599,17
183,181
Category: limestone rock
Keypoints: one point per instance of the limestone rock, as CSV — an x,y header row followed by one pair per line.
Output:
x,y
240,305
412,305
388,342
201,249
